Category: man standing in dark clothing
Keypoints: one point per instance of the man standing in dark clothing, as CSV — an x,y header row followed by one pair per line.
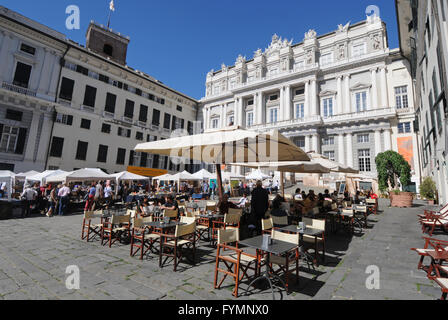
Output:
x,y
259,204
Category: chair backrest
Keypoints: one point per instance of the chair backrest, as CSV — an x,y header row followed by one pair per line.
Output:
x,y
334,206
267,224
280,220
121,219
187,220
232,218
210,203
138,223
347,211
362,209
346,203
170,213
228,236
236,211
315,224
371,201
286,237
183,230
210,208
88,215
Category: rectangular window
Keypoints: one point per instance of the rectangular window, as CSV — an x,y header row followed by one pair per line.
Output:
x,y
82,70
404,127
328,141
363,138
327,107
361,101
364,160
111,100
67,86
9,137
129,109
155,117
273,115
139,136
22,75
215,123
64,119
359,50
57,145
106,128
329,155
124,132
434,84
431,110
102,153
85,124
90,97
249,119
190,127
14,115
81,152
439,116
300,142
166,121
250,102
300,111
121,156
28,49
179,108
326,59
274,97
143,115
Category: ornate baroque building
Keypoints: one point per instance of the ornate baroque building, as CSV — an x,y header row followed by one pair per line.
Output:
x,y
344,94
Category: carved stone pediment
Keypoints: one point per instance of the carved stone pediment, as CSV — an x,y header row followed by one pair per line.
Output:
x,y
327,93
360,86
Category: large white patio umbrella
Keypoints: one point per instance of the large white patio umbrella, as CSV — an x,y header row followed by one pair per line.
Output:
x,y
82,175
8,177
228,146
257,175
42,177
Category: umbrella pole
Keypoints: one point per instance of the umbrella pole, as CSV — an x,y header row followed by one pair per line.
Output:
x,y
219,180
282,179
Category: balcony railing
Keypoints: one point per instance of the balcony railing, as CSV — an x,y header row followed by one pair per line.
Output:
x,y
107,114
127,119
287,123
18,89
88,108
368,114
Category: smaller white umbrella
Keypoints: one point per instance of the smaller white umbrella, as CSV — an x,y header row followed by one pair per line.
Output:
x,y
204,175
82,175
42,177
163,177
257,175
127,176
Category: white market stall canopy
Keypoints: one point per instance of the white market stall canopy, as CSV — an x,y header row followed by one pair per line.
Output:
x,y
88,174
7,177
228,176
204,175
42,177
184,176
127,176
23,175
163,177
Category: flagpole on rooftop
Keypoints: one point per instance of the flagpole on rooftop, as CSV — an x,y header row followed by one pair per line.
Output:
x,y
111,8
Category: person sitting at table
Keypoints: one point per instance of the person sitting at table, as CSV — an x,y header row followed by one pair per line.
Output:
x,y
327,195
277,211
146,208
334,196
372,195
224,205
298,195
243,201
170,203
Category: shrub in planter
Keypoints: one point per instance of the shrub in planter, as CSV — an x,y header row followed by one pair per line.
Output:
x,y
394,172
428,189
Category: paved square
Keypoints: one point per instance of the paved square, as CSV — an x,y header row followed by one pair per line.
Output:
x,y
36,251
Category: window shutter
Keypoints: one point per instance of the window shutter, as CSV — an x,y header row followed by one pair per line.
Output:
x,y
21,141
69,120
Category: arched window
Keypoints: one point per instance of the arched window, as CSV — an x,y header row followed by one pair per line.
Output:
x,y
107,49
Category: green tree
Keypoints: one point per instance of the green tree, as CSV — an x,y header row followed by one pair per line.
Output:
x,y
393,170
428,189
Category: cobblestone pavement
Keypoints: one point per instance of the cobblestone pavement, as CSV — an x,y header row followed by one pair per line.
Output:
x,y
35,252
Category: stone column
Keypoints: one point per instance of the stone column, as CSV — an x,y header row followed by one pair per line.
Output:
x,y
205,120
54,74
308,146
374,90
45,136
349,153
384,91
307,100
223,116
348,98
341,149
240,113
32,136
387,139
315,143
339,106
6,42
281,111
255,108
288,103
314,105
377,142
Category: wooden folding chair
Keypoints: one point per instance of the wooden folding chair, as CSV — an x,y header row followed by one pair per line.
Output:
x,y
231,221
88,227
184,237
431,224
443,283
430,214
320,240
279,221
115,229
236,211
374,203
172,214
142,238
290,258
430,245
234,259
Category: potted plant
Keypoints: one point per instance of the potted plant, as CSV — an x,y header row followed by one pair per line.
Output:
x,y
394,172
428,190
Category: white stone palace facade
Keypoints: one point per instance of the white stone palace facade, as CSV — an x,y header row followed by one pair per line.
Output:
x,y
344,94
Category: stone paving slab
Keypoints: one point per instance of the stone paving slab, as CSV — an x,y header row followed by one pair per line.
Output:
x,y
35,266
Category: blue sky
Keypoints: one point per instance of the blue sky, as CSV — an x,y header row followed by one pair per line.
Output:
x,y
179,41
